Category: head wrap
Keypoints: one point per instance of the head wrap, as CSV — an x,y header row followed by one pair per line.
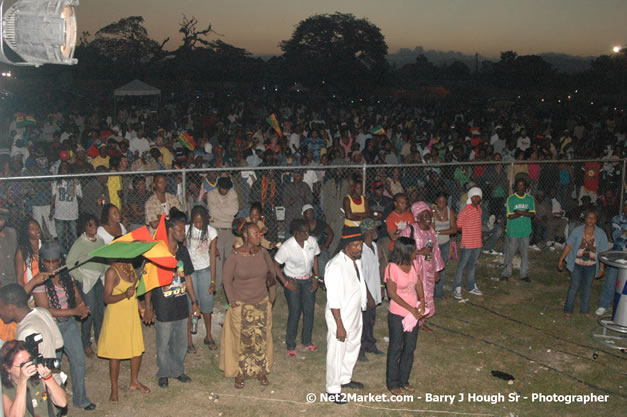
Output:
x,y
305,208
369,224
51,250
418,207
350,234
473,192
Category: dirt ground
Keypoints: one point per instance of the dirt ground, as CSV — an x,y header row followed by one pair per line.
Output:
x,y
517,328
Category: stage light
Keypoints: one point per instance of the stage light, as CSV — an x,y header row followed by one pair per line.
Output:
x,y
38,32
616,49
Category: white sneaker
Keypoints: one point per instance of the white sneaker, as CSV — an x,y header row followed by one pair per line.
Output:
x,y
558,245
493,252
552,248
600,311
549,243
534,247
475,291
457,293
491,221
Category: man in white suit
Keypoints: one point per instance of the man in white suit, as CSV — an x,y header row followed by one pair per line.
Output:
x,y
346,299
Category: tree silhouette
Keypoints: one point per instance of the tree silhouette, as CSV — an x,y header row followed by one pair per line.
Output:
x,y
336,48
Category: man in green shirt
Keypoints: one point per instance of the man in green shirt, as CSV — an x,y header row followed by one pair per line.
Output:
x,y
520,209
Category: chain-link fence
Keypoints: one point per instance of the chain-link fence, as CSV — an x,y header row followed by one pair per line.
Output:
x,y
563,191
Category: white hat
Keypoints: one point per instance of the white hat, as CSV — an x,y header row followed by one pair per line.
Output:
x,y
306,207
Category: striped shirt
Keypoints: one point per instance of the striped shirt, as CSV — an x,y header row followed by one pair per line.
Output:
x,y
469,220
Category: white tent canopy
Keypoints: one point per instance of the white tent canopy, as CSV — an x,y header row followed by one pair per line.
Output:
x,y
137,88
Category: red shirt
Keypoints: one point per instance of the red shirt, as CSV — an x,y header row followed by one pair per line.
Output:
x,y
469,220
592,173
398,222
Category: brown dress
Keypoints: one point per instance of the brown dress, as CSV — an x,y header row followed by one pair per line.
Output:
x,y
246,347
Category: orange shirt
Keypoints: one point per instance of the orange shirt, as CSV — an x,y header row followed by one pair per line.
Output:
x,y
399,222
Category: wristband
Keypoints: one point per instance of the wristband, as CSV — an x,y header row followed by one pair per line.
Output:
x,y
213,282
48,378
382,285
316,277
421,298
338,319
195,303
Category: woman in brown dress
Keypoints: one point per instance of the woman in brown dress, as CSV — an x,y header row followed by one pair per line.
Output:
x,y
250,286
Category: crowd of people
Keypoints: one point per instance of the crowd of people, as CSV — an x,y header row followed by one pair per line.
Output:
x,y
318,223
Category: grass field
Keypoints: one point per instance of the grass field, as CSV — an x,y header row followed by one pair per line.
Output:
x,y
515,327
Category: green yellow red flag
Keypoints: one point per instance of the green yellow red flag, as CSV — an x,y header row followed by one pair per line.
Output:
x,y
272,121
187,140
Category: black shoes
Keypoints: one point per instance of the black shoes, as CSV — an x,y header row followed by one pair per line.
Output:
x,y
90,407
526,279
362,356
163,382
376,352
184,379
353,385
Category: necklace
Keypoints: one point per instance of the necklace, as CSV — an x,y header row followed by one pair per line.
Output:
x,y
127,270
441,214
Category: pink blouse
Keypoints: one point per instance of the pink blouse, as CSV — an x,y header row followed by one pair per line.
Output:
x,y
405,287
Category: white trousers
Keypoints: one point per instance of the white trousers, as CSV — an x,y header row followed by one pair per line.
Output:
x,y
342,356
41,213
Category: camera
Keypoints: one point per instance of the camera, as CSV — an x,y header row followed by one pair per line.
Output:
x,y
32,346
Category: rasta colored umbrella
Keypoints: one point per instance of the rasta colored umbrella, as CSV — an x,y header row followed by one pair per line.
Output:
x,y
114,250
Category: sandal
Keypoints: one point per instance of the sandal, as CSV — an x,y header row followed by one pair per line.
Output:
x,y
210,344
408,388
311,348
263,380
291,353
239,382
191,349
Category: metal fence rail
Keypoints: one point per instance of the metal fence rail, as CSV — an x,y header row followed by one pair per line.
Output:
x,y
282,193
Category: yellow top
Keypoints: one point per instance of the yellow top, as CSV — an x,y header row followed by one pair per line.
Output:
x,y
355,209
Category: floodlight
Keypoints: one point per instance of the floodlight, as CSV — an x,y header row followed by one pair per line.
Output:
x,y
38,32
616,49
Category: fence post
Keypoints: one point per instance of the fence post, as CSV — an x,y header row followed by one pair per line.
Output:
x,y
184,185
363,178
622,186
511,178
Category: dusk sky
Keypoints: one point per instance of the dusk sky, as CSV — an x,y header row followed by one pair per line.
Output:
x,y
576,27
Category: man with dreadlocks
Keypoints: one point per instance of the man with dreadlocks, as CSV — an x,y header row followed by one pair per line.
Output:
x,y
61,297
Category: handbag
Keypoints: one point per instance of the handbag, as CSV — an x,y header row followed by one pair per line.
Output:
x,y
452,254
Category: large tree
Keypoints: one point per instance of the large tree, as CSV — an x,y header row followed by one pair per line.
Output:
x,y
336,48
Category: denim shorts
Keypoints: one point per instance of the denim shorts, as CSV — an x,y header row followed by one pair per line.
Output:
x,y
202,281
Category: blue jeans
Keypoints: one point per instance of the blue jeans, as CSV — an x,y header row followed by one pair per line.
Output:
x,y
580,277
401,349
94,299
467,260
73,348
66,233
171,347
445,249
513,245
302,301
323,258
609,288
201,280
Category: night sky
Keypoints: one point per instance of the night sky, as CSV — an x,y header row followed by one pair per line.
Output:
x,y
576,27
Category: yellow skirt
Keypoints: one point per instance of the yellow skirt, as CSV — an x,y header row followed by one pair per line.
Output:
x,y
246,342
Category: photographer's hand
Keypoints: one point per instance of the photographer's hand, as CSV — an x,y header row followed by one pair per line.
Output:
x,y
26,371
43,372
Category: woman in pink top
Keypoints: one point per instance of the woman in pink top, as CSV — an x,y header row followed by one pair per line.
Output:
x,y
428,260
404,287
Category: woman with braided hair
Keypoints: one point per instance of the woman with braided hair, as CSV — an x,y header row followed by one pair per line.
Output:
x,y
59,294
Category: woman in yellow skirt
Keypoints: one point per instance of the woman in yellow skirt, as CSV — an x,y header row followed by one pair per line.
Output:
x,y
121,335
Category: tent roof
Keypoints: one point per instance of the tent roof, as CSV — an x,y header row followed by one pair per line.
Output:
x,y
136,88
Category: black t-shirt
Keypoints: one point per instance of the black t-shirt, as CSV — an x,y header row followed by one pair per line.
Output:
x,y
170,301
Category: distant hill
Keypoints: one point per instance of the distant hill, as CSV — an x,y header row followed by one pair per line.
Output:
x,y
561,62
